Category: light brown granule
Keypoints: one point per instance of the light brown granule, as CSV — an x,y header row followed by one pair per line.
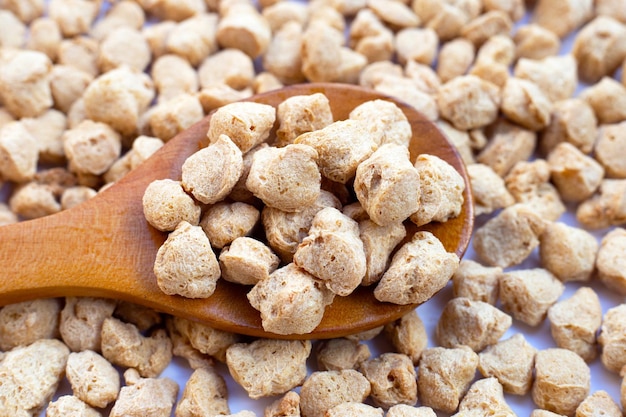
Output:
x,y
186,264
300,114
440,190
408,335
606,207
246,123
607,98
386,117
487,25
324,390
224,222
122,14
14,35
247,261
461,139
241,26
610,262
370,37
286,178
410,281
207,340
562,17
141,316
341,353
488,189
395,15
24,323
611,338
444,375
476,282
123,345
353,409
509,237
229,66
31,375
44,36
193,39
169,118
205,393
118,98
33,200
388,186
469,102
284,231
283,58
18,150
91,147
286,406
533,41
410,90
378,244
508,144
268,367
556,76
74,17
527,294
568,252
600,402
211,173
123,46
455,58
403,410
69,405
475,324
81,319
524,103
416,44
485,397
342,146
511,361
24,83
173,75
93,379
333,251
145,396
611,144
166,204
529,184
574,322
80,52
290,300
73,196
393,379
576,175
562,380
67,84
599,47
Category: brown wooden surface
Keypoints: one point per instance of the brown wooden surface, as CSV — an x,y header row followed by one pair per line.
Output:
x,y
105,247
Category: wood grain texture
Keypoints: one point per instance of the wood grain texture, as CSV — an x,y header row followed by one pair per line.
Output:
x,y
105,248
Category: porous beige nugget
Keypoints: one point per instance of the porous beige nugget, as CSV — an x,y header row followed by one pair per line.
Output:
x,y
211,173
246,123
485,397
610,261
94,380
612,339
388,185
324,390
333,251
145,396
247,261
562,380
186,264
268,367
409,279
286,178
386,117
408,335
393,379
300,114
205,393
165,204
568,252
290,300
341,147
341,353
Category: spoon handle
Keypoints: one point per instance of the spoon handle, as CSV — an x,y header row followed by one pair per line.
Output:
x,y
103,247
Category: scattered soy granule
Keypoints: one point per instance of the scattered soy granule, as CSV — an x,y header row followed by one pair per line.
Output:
x,y
323,390
562,380
408,335
485,397
24,323
609,260
511,361
93,379
475,324
393,379
145,396
600,402
249,365
444,375
527,294
612,340
575,322
476,282
205,393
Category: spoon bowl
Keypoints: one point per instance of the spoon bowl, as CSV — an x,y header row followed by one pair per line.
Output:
x,y
104,247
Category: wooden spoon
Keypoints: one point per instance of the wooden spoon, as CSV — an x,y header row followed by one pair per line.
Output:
x,y
105,248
